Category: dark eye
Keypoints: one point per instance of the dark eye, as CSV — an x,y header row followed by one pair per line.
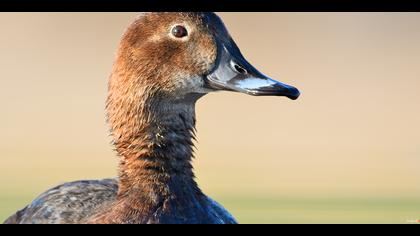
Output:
x,y
179,31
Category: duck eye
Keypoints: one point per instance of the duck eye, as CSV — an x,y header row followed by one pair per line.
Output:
x,y
179,31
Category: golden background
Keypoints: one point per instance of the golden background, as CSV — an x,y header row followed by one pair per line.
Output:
x,y
347,151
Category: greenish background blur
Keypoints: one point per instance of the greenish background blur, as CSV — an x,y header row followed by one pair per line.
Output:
x,y
348,151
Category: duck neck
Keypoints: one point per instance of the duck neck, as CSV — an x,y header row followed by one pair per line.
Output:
x,y
154,139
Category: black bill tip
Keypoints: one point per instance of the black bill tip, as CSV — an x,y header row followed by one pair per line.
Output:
x,y
293,93
276,89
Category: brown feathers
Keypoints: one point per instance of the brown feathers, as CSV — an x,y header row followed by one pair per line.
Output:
x,y
155,82
151,112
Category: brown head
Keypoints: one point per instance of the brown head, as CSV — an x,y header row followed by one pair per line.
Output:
x,y
167,53
175,55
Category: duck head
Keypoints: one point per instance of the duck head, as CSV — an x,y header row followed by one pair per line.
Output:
x,y
182,55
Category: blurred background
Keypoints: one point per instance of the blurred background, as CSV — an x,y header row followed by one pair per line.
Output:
x,y
347,151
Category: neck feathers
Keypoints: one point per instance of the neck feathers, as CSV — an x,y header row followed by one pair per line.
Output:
x,y
153,135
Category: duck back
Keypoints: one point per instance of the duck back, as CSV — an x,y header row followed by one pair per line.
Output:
x,y
76,202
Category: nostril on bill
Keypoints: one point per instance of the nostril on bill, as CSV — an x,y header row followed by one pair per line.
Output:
x,y
238,68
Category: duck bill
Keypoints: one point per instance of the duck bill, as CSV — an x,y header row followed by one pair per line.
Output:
x,y
233,73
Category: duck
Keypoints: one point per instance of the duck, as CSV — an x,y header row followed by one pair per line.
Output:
x,y
165,62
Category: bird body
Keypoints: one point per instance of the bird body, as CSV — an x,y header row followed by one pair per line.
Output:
x,y
74,202
164,64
